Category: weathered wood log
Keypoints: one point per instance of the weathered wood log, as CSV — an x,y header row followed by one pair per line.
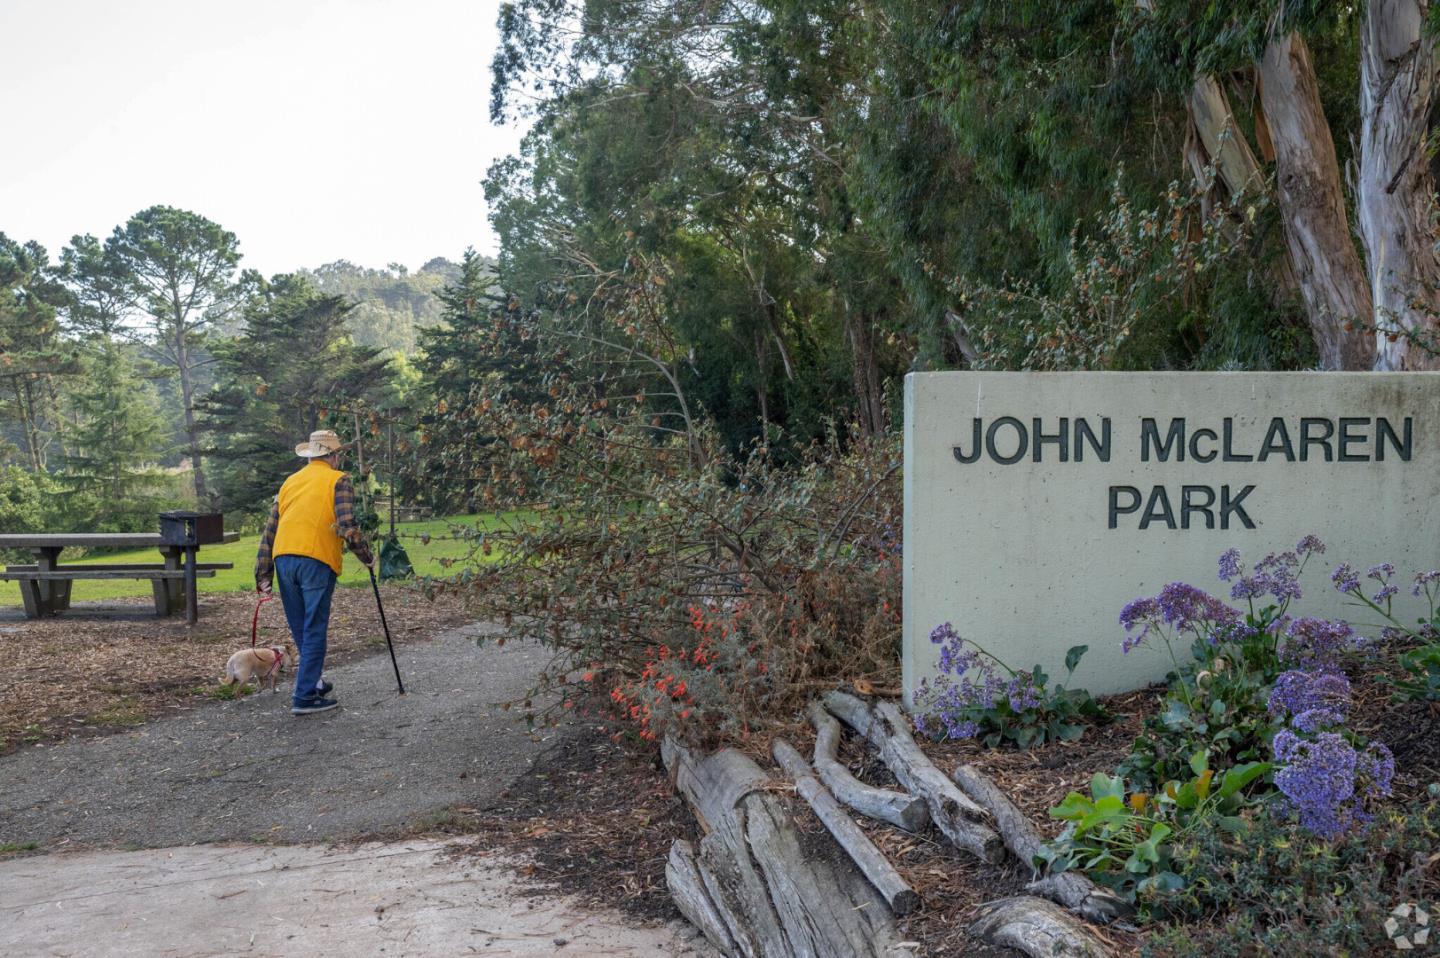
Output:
x,y
1071,889
688,891
862,851
958,818
1039,928
777,892
882,804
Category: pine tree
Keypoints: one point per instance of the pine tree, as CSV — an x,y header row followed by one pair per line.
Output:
x,y
32,354
483,340
293,370
110,471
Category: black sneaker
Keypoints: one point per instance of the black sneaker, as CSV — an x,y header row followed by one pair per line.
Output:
x,y
315,703
324,688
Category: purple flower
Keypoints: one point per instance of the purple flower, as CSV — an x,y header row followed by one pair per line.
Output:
x,y
1327,783
1022,693
1183,607
1423,581
1310,544
969,683
1318,643
1298,693
1381,572
1229,564
1141,612
1278,572
1345,578
1384,594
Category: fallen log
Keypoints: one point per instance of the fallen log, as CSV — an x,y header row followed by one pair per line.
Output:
x,y
688,891
778,893
1071,889
882,804
1039,928
862,851
958,818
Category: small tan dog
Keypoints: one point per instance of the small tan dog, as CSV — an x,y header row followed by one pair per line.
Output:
x,y
265,662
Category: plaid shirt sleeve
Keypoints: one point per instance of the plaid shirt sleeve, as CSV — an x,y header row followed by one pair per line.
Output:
x,y
264,558
345,522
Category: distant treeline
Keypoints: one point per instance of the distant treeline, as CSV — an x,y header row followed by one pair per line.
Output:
x,y
148,369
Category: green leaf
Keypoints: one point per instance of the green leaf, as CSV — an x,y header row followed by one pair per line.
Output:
x,y
1240,776
1072,657
1102,786
1199,762
1073,806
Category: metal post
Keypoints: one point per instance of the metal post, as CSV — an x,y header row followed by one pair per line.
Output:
x,y
192,590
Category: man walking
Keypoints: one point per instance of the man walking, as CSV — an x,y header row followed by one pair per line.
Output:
x,y
312,520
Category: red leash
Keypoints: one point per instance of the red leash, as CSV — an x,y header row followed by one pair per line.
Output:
x,y
255,622
255,627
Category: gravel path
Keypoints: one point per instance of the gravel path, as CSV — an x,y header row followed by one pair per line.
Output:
x,y
249,771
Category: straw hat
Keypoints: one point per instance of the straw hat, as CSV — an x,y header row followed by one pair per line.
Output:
x,y
323,442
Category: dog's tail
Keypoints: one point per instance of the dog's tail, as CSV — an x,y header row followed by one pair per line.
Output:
x,y
229,678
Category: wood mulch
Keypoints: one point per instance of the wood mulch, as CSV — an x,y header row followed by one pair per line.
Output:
x,y
87,673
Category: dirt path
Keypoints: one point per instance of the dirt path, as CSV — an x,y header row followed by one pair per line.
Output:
x,y
396,899
250,771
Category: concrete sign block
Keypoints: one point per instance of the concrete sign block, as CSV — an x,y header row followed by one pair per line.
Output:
x,y
1038,504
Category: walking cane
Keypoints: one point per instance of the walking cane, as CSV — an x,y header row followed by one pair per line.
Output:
x,y
383,624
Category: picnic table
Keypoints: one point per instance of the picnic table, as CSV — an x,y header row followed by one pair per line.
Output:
x,y
45,583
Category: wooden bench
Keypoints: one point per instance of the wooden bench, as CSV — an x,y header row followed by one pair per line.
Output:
x,y
45,583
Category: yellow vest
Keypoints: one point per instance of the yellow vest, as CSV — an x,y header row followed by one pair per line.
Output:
x,y
307,516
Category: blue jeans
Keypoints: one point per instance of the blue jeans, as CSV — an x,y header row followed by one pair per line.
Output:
x,y
306,586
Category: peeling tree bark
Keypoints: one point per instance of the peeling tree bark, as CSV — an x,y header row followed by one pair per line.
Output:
x,y
1395,190
1224,143
1331,278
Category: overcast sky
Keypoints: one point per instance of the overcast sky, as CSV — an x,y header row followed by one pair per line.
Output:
x,y
314,130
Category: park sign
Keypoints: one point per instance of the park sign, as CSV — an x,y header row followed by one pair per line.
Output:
x,y
1038,504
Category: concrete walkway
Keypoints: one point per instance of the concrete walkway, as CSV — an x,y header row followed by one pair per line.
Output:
x,y
401,899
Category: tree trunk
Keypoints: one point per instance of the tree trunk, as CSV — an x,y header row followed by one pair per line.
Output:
x,y
1224,144
862,851
1395,192
771,890
1039,928
187,400
869,397
1331,277
32,449
958,818
900,809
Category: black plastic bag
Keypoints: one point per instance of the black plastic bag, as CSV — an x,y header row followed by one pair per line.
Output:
x,y
394,561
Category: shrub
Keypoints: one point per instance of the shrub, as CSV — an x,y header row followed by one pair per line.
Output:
x,y
647,535
1277,893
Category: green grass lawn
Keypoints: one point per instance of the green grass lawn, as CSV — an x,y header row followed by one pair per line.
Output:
x,y
425,556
